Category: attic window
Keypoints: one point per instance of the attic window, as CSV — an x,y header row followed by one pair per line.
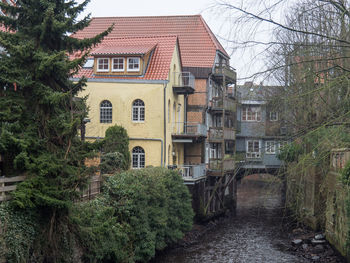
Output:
x,y
133,64
118,64
89,63
103,64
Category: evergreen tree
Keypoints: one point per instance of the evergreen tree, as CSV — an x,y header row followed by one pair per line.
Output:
x,y
39,113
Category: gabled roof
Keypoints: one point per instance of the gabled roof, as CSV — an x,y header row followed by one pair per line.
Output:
x,y
159,65
197,42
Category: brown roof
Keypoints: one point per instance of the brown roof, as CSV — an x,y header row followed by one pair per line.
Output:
x,y
197,42
159,65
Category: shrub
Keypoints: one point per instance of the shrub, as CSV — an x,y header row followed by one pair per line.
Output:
x,y
139,212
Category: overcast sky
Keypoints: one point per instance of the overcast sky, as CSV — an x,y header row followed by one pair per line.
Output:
x,y
243,62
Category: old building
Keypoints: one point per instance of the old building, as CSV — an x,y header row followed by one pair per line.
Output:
x,y
262,130
206,132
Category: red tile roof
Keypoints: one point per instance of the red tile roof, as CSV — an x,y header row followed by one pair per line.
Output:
x,y
160,62
197,42
121,48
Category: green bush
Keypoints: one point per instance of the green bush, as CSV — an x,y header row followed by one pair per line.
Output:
x,y
139,212
290,152
112,163
117,140
18,231
345,174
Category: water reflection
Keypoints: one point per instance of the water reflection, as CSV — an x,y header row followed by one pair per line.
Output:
x,y
254,235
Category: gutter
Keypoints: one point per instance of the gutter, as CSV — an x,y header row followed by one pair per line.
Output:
x,y
164,120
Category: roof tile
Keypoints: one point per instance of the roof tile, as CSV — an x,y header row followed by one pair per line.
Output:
x,y
197,42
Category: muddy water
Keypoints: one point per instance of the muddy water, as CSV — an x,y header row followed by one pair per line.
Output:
x,y
255,234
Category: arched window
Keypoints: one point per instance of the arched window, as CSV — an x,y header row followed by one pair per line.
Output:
x,y
138,157
106,112
138,110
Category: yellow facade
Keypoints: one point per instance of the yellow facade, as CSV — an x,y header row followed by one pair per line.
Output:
x,y
164,113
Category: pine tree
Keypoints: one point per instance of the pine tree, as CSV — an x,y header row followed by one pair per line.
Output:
x,y
39,113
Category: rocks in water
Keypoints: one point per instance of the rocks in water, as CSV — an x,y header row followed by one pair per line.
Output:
x,y
318,241
297,242
318,249
305,246
315,258
320,236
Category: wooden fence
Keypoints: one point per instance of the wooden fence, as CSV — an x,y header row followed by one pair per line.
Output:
x,y
8,184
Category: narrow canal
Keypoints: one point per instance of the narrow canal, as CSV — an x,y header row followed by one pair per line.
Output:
x,y
255,234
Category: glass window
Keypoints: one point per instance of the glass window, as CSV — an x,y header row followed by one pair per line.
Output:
x,y
138,110
270,147
251,113
103,64
118,64
273,116
106,112
133,64
281,145
138,157
253,149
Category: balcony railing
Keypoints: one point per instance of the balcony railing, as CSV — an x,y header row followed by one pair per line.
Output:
x,y
184,83
189,129
222,165
220,133
220,103
193,171
220,70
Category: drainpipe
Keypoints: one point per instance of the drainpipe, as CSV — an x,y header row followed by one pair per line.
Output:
x,y
139,139
164,119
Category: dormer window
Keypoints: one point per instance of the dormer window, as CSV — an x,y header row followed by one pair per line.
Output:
x,y
118,64
102,64
133,64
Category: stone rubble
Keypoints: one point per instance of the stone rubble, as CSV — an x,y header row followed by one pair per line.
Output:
x,y
313,247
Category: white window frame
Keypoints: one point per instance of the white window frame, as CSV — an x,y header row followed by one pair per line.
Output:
x,y
139,109
270,147
106,112
98,64
253,154
272,114
118,70
139,156
129,69
254,116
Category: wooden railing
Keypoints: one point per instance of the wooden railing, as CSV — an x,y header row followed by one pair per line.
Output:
x,y
8,184
93,189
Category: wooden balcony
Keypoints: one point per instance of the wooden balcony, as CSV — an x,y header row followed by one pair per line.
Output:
x,y
220,133
221,166
220,103
184,83
188,132
224,72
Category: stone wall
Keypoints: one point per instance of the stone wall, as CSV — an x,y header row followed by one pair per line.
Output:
x,y
304,196
321,200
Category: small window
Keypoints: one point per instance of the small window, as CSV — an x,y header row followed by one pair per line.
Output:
x,y
273,116
89,63
138,158
133,64
253,149
138,111
270,147
118,64
106,112
103,64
